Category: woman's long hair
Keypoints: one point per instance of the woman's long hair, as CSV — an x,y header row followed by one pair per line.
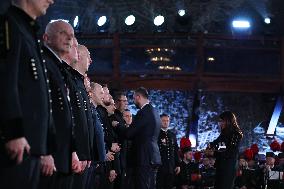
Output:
x,y
231,123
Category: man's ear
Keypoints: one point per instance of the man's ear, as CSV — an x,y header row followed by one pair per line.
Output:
x,y
45,37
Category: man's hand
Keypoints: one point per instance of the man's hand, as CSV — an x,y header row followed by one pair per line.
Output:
x,y
109,156
114,123
184,186
83,165
76,165
177,170
47,165
16,148
115,147
89,164
112,175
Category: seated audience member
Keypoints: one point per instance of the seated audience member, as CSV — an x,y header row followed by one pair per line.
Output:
x,y
242,177
272,173
189,176
207,173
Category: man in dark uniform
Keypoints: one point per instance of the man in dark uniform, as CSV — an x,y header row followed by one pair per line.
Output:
x,y
96,94
189,176
78,72
105,170
121,103
24,123
169,154
82,151
127,116
55,46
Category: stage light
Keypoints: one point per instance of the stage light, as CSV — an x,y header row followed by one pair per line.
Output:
x,y
76,22
159,20
102,20
193,140
210,59
275,116
267,20
129,20
241,24
181,12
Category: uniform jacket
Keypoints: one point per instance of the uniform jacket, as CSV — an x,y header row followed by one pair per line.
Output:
x,y
25,108
82,144
62,114
99,143
169,151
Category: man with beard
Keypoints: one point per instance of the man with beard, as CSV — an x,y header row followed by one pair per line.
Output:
x,y
189,176
144,133
108,171
95,179
24,124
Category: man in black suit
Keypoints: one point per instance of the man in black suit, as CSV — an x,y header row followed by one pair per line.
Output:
x,y
25,104
169,153
143,132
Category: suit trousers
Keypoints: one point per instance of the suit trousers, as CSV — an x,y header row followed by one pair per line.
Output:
x,y
25,175
165,180
144,177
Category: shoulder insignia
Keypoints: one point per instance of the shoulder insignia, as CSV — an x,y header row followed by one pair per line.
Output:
x,y
4,37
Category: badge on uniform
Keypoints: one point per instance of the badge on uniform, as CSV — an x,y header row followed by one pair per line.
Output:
x,y
4,37
163,140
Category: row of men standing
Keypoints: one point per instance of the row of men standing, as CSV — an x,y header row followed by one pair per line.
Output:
x,y
56,128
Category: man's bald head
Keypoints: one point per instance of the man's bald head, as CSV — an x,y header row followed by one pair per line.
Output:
x,y
96,93
59,36
84,59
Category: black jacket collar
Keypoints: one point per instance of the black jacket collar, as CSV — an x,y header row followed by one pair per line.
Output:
x,y
27,20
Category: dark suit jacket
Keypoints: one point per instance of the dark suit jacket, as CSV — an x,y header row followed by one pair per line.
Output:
x,y
62,114
144,132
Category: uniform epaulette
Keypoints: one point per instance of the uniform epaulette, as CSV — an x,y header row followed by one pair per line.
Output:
x,y
4,37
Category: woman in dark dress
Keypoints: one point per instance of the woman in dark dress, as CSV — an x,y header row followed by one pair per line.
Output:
x,y
226,148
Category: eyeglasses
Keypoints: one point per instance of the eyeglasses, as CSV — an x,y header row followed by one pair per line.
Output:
x,y
122,100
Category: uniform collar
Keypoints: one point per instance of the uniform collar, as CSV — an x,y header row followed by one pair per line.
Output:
x,y
25,17
72,70
53,53
165,130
